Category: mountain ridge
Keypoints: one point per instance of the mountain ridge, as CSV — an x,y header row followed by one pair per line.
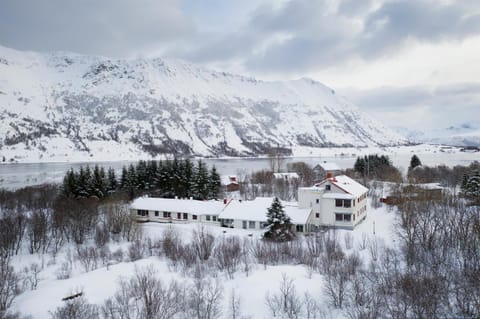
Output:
x,y
62,103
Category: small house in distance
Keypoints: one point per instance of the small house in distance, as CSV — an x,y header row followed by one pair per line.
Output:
x,y
288,177
336,202
321,170
230,183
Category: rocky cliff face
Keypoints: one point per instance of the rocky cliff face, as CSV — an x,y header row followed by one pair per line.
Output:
x,y
62,104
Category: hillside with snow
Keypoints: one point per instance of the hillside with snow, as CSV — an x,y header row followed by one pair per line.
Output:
x,y
62,106
465,134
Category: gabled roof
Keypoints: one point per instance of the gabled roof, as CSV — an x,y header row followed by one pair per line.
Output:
x,y
345,183
256,210
330,166
196,207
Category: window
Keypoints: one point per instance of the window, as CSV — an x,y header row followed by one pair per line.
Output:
x,y
251,224
167,214
343,217
317,201
317,215
185,216
353,217
179,215
156,213
328,187
142,212
214,218
343,203
300,228
194,217
207,217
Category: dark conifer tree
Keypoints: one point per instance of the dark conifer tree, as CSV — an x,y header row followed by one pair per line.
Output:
x,y
214,184
201,185
69,184
278,223
98,187
414,162
112,183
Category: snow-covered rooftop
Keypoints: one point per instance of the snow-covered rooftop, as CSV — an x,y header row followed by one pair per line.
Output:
x,y
256,210
289,176
330,166
343,182
178,205
349,185
338,196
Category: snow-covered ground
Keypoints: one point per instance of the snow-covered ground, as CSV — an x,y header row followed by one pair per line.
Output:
x,y
102,283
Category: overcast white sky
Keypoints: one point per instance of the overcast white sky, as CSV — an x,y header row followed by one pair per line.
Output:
x,y
412,63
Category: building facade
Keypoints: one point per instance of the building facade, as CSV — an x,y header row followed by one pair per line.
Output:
x,y
335,202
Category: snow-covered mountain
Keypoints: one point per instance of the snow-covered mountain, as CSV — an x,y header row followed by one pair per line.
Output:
x,y
465,134
60,104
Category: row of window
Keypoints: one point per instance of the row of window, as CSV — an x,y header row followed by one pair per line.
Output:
x,y
182,216
362,210
362,197
211,218
339,217
343,203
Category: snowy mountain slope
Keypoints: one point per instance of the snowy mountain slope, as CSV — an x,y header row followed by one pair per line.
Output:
x,y
61,104
465,134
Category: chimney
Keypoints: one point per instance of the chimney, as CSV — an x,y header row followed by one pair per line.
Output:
x,y
224,201
329,175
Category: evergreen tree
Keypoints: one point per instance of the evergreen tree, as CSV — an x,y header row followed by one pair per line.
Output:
x,y
123,178
98,185
214,184
200,185
464,182
84,182
69,184
278,223
473,185
188,177
359,165
131,181
414,162
111,181
141,175
151,174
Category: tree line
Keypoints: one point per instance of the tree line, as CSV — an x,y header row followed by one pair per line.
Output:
x,y
172,178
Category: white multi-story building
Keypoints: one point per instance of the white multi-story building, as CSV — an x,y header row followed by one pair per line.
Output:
x,y
337,201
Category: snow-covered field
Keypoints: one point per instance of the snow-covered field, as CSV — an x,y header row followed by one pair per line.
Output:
x,y
100,284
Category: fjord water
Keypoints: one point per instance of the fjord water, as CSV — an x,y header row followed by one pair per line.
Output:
x,y
16,175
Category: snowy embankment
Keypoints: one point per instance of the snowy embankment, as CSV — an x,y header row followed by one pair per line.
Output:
x,y
102,283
